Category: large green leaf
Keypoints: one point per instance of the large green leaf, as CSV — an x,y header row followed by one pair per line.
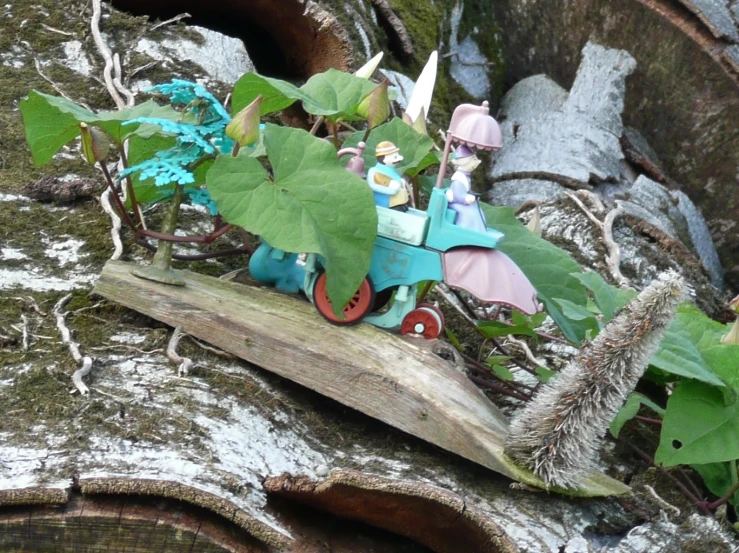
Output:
x,y
414,147
691,348
698,427
277,94
548,267
607,297
337,93
310,204
333,94
51,122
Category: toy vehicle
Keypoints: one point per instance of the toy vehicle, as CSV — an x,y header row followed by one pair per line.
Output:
x,y
413,247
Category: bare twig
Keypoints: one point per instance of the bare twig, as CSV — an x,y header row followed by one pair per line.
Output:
x,y
211,349
55,86
184,364
97,11
26,337
30,301
141,68
130,100
74,348
592,197
613,259
526,350
174,19
115,231
53,30
661,502
614,250
453,300
127,346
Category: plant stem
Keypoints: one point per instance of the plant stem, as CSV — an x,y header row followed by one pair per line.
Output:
x,y
163,258
702,505
734,480
647,419
731,491
500,389
317,124
129,189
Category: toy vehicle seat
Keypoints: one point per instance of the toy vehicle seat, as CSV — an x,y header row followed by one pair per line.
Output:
x,y
443,234
409,227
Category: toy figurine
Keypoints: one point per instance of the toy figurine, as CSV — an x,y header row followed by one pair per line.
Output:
x,y
385,181
469,214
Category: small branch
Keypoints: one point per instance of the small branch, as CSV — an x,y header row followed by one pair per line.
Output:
x,y
53,30
524,347
211,349
97,11
500,389
317,124
724,499
613,259
74,348
140,69
661,501
55,86
175,19
33,304
184,364
648,420
130,100
614,250
115,230
26,337
702,505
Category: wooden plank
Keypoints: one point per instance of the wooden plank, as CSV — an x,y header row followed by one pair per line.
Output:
x,y
363,367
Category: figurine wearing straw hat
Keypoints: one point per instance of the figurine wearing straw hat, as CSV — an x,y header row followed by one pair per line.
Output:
x,y
459,195
385,181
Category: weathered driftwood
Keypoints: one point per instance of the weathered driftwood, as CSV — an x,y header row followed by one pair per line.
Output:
x,y
379,374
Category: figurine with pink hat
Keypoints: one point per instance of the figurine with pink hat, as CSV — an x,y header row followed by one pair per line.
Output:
x,y
459,195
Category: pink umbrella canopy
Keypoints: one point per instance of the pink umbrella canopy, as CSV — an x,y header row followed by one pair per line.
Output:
x,y
490,276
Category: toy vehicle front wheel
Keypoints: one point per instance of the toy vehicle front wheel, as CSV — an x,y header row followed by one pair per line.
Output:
x,y
359,306
426,320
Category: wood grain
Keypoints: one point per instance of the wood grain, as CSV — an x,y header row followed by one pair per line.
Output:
x,y
368,369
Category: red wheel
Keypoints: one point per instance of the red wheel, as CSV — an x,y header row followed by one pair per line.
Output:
x,y
355,310
435,310
423,320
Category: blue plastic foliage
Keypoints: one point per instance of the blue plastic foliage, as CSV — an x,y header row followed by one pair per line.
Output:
x,y
200,132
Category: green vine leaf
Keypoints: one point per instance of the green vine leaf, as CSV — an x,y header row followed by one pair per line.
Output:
x,y
309,204
698,427
338,94
414,147
607,297
691,348
278,94
548,267
332,94
630,409
51,122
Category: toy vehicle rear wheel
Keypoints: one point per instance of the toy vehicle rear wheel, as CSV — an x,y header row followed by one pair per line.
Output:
x,y
359,306
426,320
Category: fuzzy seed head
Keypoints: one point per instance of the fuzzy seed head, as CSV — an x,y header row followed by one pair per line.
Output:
x,y
559,433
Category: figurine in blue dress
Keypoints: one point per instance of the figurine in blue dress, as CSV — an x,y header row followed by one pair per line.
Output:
x,y
385,181
459,194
